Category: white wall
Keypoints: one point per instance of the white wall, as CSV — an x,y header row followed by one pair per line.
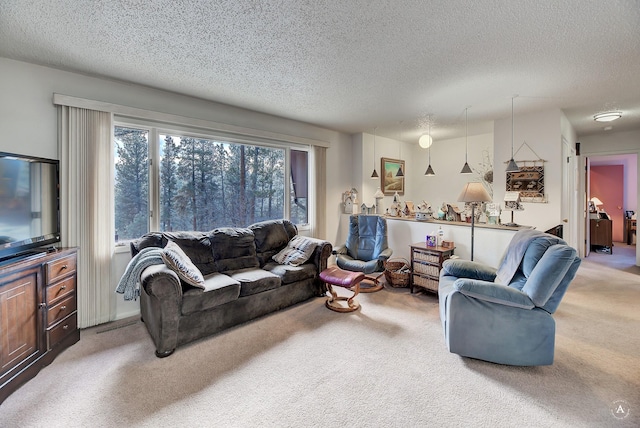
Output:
x,y
28,120
542,132
447,159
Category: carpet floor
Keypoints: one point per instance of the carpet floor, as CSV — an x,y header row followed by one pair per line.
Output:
x,y
385,365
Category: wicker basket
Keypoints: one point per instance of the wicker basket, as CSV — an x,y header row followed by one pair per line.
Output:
x,y
395,272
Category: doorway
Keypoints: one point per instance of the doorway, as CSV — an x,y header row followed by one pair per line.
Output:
x,y
613,179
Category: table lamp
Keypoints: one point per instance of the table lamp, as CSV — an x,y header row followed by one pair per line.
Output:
x,y
473,193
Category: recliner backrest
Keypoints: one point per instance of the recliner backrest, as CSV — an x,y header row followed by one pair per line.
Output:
x,y
367,237
537,245
551,276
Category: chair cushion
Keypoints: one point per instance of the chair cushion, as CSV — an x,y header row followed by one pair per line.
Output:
x,y
271,236
233,248
550,271
218,290
346,262
296,252
367,237
177,261
289,274
254,280
196,246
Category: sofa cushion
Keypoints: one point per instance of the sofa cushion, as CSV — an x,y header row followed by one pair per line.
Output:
x,y
296,252
233,248
289,274
218,290
271,236
180,263
152,239
196,245
253,280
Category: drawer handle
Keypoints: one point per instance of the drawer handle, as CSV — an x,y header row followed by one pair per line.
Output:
x,y
65,327
63,307
63,267
64,287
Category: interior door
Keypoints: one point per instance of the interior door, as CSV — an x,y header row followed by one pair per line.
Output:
x,y
569,194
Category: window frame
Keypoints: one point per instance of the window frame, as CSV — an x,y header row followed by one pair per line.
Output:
x,y
155,129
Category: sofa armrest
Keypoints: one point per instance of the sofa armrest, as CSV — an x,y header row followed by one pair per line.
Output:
x,y
494,293
162,283
321,254
467,269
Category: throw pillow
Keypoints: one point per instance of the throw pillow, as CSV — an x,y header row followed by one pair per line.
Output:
x,y
176,259
297,251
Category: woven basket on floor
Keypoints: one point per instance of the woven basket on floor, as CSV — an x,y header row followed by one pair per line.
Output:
x,y
393,274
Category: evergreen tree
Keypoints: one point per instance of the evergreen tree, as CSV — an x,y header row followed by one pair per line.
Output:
x,y
132,183
168,183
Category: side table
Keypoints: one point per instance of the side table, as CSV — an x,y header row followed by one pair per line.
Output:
x,y
426,263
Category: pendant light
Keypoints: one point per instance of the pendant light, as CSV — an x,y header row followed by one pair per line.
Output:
x,y
466,169
429,172
374,174
400,173
512,166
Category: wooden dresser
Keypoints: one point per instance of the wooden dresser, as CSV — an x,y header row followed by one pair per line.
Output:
x,y
601,234
38,317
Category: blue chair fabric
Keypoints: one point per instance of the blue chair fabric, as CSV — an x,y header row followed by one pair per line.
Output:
x,y
504,315
366,248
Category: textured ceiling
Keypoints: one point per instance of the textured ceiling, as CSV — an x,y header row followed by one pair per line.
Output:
x,y
353,65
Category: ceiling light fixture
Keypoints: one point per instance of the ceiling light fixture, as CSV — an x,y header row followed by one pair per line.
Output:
x,y
429,172
425,141
374,174
466,169
512,166
607,116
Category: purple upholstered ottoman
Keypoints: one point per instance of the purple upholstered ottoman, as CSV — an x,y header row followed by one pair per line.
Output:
x,y
343,278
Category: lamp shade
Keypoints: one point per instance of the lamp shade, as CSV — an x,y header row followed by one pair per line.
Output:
x,y
596,201
474,192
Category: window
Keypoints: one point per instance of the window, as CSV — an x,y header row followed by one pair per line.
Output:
x,y
131,182
204,183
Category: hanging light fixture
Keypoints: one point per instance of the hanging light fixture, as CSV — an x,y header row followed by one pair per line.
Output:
x,y
512,166
429,172
400,173
374,174
425,141
466,169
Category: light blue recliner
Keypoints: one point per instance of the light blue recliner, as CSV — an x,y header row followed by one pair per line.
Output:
x,y
504,315
366,248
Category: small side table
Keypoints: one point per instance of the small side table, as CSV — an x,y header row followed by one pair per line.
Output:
x,y
426,263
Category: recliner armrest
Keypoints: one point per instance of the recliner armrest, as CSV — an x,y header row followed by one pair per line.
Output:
x,y
385,254
494,293
341,249
460,268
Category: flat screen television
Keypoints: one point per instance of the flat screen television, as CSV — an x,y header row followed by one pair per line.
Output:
x,y
29,204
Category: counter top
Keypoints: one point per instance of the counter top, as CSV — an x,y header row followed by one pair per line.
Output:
x,y
461,223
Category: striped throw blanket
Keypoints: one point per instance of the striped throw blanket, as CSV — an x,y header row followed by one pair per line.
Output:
x,y
129,284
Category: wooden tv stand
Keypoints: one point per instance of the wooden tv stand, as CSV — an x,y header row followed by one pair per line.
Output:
x,y
38,317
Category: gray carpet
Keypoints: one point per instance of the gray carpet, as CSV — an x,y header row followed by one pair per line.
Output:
x,y
383,366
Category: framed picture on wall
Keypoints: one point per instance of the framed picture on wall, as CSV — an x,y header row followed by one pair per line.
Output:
x,y
390,183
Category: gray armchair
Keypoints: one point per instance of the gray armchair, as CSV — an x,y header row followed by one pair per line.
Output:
x,y
366,248
504,315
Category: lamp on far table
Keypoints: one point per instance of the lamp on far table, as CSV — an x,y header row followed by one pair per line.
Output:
x,y
473,193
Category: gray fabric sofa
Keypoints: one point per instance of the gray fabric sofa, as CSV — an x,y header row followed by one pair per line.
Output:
x,y
243,282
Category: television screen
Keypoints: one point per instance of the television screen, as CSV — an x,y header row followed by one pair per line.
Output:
x,y
29,203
